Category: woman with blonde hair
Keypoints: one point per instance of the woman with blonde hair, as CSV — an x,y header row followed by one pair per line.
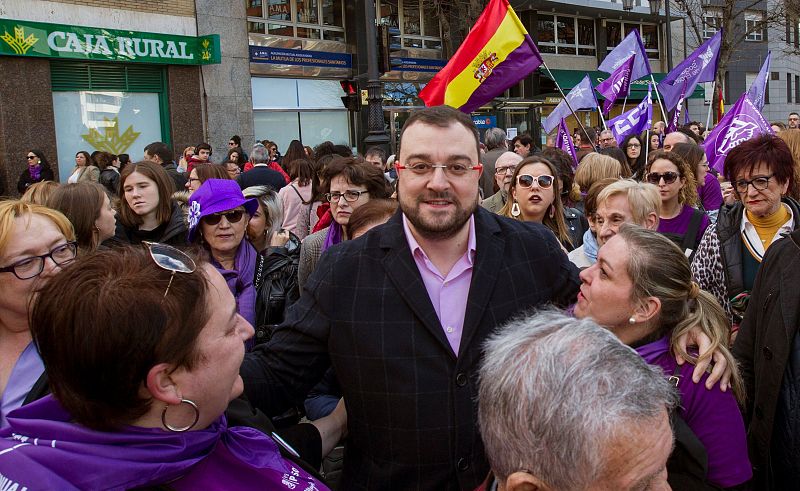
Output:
x,y
641,289
39,192
594,167
183,163
534,196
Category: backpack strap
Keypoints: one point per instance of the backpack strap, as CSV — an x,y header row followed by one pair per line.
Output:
x,y
690,237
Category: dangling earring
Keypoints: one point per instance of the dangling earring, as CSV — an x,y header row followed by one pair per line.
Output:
x,y
552,211
515,211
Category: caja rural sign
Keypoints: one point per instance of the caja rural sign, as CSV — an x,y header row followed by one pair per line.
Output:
x,y
23,38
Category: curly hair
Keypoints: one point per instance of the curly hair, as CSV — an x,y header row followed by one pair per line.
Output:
x,y
688,192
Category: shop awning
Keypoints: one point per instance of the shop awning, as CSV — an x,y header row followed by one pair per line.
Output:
x,y
569,78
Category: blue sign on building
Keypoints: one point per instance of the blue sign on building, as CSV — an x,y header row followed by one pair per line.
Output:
x,y
483,122
282,56
417,64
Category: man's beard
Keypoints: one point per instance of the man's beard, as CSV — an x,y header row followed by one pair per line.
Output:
x,y
442,226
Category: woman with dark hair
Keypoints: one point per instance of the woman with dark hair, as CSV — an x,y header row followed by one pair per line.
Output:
x,y
84,170
38,170
708,188
147,211
298,195
294,152
641,289
570,193
202,172
678,219
348,184
124,160
236,155
88,208
634,152
109,173
761,171
140,385
534,196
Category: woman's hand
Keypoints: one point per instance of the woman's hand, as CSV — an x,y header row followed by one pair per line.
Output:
x,y
727,193
721,372
280,238
332,428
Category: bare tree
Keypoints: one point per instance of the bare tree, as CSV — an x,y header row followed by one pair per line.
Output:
x,y
456,18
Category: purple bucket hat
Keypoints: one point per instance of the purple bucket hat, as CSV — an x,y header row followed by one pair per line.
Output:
x,y
214,196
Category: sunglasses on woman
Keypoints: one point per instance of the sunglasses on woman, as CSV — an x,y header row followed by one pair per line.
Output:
x,y
170,259
655,177
232,216
527,180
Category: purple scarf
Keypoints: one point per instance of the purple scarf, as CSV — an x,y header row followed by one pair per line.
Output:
x,y
42,449
240,280
35,171
334,236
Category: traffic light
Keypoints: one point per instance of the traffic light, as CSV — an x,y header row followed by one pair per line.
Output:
x,y
352,97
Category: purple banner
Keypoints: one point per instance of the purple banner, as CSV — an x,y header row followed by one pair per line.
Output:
x,y
700,66
565,143
743,122
617,85
634,121
632,45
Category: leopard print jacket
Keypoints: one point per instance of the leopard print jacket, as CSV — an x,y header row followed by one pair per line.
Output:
x,y
708,271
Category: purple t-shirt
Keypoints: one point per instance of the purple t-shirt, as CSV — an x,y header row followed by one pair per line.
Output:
x,y
712,415
710,193
680,223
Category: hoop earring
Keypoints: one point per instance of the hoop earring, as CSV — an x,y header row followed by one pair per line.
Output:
x,y
185,428
515,211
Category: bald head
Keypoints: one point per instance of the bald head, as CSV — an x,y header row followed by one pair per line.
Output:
x,y
675,137
504,168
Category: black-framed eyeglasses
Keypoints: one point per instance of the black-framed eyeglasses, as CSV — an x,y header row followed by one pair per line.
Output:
x,y
655,178
527,180
31,267
349,196
759,183
170,259
233,216
633,145
505,170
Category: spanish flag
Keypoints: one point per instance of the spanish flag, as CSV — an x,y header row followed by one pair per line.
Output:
x,y
497,53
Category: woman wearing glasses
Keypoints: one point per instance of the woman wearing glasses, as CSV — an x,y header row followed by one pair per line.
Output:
x,y
38,170
147,211
156,419
534,196
34,243
634,155
761,171
677,219
218,218
348,184
708,187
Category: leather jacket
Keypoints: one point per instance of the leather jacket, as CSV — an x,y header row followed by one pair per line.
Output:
x,y
276,286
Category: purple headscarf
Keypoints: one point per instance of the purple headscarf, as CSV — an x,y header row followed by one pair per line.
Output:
x,y
43,449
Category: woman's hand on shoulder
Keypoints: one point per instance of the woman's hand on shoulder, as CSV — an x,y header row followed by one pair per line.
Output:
x,y
720,372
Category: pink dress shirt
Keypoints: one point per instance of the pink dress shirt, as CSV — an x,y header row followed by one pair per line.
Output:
x,y
449,293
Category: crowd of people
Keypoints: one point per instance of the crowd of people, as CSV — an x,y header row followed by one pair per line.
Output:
x,y
469,313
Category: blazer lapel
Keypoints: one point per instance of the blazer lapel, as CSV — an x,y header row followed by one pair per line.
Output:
x,y
404,274
489,245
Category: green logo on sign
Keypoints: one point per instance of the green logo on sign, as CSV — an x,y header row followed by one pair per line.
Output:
x,y
111,141
19,43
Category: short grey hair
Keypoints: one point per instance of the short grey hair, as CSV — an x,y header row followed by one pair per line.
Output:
x,y
494,137
606,132
259,154
554,390
271,205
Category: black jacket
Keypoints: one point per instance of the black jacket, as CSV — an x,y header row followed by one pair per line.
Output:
x,y
276,286
577,225
174,232
768,351
411,401
110,179
25,179
178,178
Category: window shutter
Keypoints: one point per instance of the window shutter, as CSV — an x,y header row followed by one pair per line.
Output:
x,y
74,76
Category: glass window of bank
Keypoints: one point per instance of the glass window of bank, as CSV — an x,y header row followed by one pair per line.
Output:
x,y
308,19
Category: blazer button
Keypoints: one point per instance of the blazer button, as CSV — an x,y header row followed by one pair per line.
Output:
x,y
461,379
462,465
767,353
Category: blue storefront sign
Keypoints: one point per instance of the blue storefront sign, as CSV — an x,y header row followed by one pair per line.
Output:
x,y
417,65
302,57
483,122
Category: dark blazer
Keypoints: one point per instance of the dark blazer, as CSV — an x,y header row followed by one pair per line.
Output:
x,y
261,175
411,402
765,346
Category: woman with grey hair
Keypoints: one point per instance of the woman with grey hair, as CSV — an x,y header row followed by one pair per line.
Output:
x,y
276,263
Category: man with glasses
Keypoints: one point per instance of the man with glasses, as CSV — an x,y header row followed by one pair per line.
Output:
x,y
503,171
607,139
794,120
496,143
401,315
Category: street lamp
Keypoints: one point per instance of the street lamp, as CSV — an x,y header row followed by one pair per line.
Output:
x,y
655,6
627,5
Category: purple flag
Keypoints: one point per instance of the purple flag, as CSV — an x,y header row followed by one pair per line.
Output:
x,y
565,143
634,121
673,124
617,85
759,87
700,66
580,97
743,122
632,45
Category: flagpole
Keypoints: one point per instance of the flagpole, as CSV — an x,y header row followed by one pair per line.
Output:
x,y
624,103
711,106
658,96
600,112
569,106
